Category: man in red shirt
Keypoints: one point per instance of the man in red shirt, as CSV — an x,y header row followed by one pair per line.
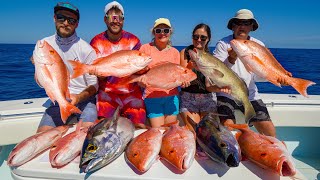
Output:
x,y
110,94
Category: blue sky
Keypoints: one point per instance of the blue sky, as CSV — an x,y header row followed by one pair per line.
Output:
x,y
283,23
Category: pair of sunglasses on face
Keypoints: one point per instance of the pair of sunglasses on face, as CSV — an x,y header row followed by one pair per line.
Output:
x,y
164,30
242,23
113,18
61,18
202,37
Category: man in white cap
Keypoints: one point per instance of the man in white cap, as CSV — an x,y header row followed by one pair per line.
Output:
x,y
241,24
114,39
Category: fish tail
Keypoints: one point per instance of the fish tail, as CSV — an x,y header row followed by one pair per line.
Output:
x,y
78,68
67,110
248,111
300,85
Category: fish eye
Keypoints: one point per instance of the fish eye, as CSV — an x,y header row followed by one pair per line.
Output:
x,y
223,145
91,148
186,71
263,154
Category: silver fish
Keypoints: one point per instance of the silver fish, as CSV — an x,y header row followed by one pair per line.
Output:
x,y
105,142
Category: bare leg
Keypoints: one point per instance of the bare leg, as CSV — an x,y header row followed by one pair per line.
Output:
x,y
170,119
157,122
265,127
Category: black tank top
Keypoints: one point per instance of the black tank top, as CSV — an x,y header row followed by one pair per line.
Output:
x,y
198,85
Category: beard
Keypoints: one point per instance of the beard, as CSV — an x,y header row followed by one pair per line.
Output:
x,y
64,31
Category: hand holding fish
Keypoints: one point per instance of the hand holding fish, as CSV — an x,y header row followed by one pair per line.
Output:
x,y
75,99
185,84
232,56
225,89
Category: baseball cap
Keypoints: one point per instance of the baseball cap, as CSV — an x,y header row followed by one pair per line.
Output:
x,y
113,4
68,7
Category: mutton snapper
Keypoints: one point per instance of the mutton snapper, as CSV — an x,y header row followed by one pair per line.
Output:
x,y
35,145
178,147
144,149
259,59
52,74
265,151
217,141
222,76
68,147
105,142
119,64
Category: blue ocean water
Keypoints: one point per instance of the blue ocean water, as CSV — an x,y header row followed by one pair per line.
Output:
x,y
17,72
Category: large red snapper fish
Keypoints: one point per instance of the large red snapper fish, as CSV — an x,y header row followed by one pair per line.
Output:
x,y
162,77
52,74
143,150
35,145
178,147
258,59
265,151
119,64
68,147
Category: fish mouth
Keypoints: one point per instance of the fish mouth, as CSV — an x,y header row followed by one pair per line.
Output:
x,y
286,168
90,165
232,161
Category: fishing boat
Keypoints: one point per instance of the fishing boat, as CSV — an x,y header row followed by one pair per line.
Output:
x,y
297,121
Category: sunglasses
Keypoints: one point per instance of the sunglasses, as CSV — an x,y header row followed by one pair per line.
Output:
x,y
113,18
61,18
159,30
202,37
243,23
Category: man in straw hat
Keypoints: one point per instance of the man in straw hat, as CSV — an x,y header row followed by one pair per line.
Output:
x,y
242,24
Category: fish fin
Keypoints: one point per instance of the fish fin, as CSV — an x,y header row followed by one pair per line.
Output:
x,y
78,68
67,110
249,111
300,85
171,124
192,123
78,127
274,81
237,135
242,127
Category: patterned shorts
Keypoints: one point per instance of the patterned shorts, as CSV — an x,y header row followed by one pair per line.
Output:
x,y
131,105
228,106
196,102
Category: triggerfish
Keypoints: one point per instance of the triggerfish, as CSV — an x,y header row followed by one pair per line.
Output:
x,y
222,76
105,142
265,151
217,141
259,60
52,74
119,64
178,147
143,150
35,145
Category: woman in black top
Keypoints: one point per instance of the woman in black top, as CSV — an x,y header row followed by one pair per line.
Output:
x,y
197,99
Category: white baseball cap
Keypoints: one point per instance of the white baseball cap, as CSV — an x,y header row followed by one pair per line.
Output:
x,y
113,4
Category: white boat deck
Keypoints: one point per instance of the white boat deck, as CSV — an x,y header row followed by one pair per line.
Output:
x,y
297,121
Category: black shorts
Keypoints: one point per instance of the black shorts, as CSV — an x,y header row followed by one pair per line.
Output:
x,y
228,106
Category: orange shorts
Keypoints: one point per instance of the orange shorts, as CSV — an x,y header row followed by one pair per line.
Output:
x,y
131,105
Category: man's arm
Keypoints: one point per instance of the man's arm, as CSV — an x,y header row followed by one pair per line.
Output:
x,y
84,95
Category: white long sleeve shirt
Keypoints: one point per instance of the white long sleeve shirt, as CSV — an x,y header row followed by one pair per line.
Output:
x,y
74,48
221,52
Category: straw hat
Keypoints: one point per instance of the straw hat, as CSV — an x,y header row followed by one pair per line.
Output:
x,y
244,14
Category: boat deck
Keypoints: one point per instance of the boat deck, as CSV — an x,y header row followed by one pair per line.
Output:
x,y
297,122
